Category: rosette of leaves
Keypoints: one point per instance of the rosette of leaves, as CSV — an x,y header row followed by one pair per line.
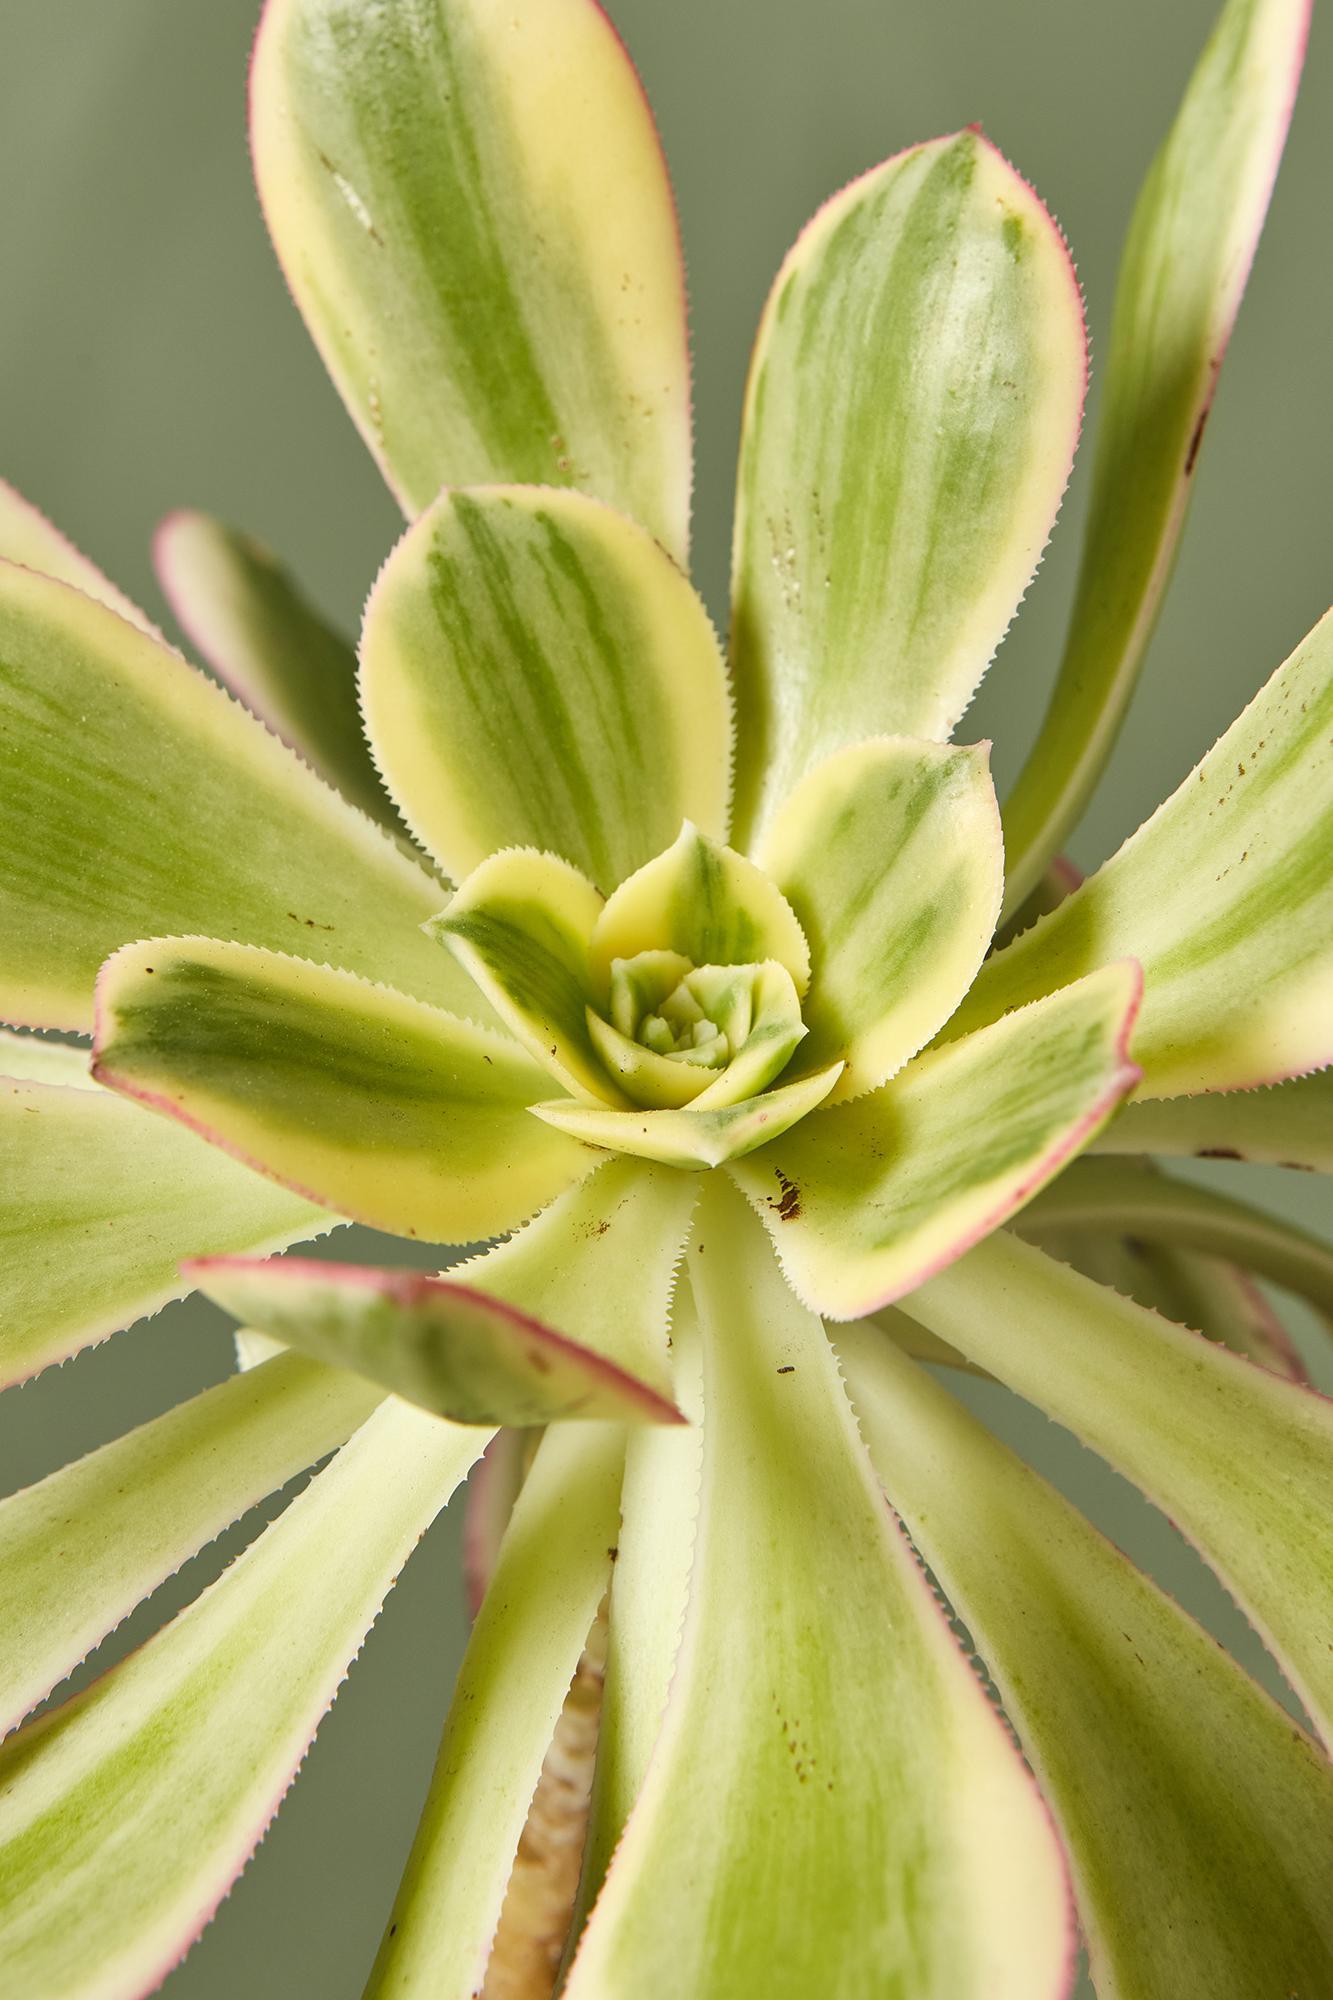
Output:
x,y
676,979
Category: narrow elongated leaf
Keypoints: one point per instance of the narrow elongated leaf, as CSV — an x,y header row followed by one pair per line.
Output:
x,y
1225,897
600,1264
553,1569
472,212
1198,1821
446,1347
27,537
519,926
705,902
865,1200
246,616
1290,1125
832,1807
86,1544
691,1137
912,410
101,1203
1117,1195
889,853
38,1059
137,798
390,1111
1240,1460
537,672
1185,263
126,1816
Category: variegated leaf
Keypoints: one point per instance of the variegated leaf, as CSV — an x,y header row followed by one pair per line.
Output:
x,y
472,212
536,672
553,1570
1289,1125
102,1202
1226,898
137,798
86,1544
913,405
390,1111
1185,263
825,1748
889,853
1199,1823
691,1137
1240,1460
243,612
27,537
29,1058
865,1200
448,1348
127,1815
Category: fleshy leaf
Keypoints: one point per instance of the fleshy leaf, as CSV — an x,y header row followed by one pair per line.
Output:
x,y
1118,1195
600,1264
388,1110
889,853
137,798
865,1200
471,209
691,1137
102,1202
446,1347
126,1816
1289,1125
519,926
913,405
86,1544
553,1569
1184,267
32,1058
27,537
1199,1823
536,672
1240,1460
246,616
1224,896
745,1020
705,902
825,1748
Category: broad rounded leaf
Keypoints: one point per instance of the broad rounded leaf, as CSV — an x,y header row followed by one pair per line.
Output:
x,y
388,1110
889,853
913,405
865,1200
1240,1460
1225,896
536,672
832,1806
1199,1823
444,1346
137,798
470,206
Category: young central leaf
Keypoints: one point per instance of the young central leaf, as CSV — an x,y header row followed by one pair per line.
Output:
x,y
684,1034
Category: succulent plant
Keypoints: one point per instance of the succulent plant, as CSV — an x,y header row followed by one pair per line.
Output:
x,y
706,990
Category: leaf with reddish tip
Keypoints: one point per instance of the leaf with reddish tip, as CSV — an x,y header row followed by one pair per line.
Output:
x,y
101,1203
126,1816
447,1347
553,1570
1240,1460
471,209
825,1748
137,798
1288,1125
1199,1822
1185,263
244,613
1225,896
27,537
388,1110
913,405
865,1200
86,1544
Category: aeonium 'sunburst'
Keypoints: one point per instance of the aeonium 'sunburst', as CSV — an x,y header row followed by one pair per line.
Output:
x,y
717,977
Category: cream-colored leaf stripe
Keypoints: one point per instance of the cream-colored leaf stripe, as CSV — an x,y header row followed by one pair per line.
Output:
x,y
690,1137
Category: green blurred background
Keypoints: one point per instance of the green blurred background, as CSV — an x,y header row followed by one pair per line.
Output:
x,y
150,358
